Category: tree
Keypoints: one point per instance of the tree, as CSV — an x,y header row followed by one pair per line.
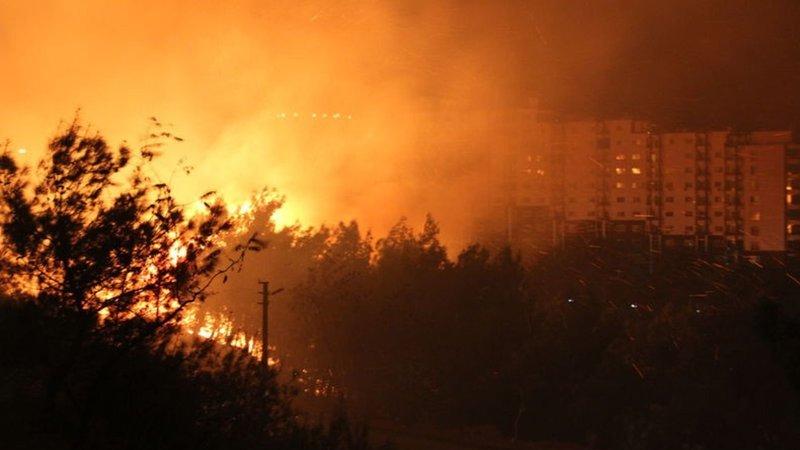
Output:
x,y
108,253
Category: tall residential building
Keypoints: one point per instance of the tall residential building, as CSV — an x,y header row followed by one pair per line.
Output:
x,y
625,180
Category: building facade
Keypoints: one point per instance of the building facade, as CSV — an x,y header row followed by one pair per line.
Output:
x,y
624,180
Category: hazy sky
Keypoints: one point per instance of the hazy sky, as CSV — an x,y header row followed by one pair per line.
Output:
x,y
224,72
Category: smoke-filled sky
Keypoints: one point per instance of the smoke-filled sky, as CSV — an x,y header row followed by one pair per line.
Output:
x,y
385,73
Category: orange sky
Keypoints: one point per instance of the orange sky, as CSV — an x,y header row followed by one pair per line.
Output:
x,y
223,73
242,83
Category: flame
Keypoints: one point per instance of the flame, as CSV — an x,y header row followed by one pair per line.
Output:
x,y
220,329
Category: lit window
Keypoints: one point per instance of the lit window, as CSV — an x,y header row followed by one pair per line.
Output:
x,y
636,171
620,157
636,156
755,216
634,185
620,185
620,170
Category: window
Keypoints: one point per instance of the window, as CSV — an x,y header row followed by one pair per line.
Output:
x,y
717,199
637,200
755,216
636,171
718,229
669,199
619,170
619,185
688,213
636,156
687,185
620,199
718,184
669,185
634,185
717,213
753,199
669,214
754,231
620,157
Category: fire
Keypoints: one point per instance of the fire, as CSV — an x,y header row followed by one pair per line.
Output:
x,y
220,329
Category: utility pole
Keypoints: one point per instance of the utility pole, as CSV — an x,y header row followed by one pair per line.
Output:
x,y
265,293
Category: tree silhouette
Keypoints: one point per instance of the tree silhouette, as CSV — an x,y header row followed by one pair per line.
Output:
x,y
87,245
108,255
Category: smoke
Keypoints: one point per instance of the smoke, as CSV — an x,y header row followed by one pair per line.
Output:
x,y
405,93
334,106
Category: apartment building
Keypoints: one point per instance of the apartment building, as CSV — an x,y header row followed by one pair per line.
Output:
x,y
625,180
793,199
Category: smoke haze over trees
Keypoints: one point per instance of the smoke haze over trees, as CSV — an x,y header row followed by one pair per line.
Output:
x,y
223,73
589,345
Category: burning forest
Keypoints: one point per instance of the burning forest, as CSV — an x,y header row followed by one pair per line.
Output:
x,y
399,225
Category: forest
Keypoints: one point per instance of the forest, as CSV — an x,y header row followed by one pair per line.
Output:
x,y
588,344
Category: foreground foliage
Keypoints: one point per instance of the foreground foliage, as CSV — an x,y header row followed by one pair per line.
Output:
x,y
585,345
101,262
